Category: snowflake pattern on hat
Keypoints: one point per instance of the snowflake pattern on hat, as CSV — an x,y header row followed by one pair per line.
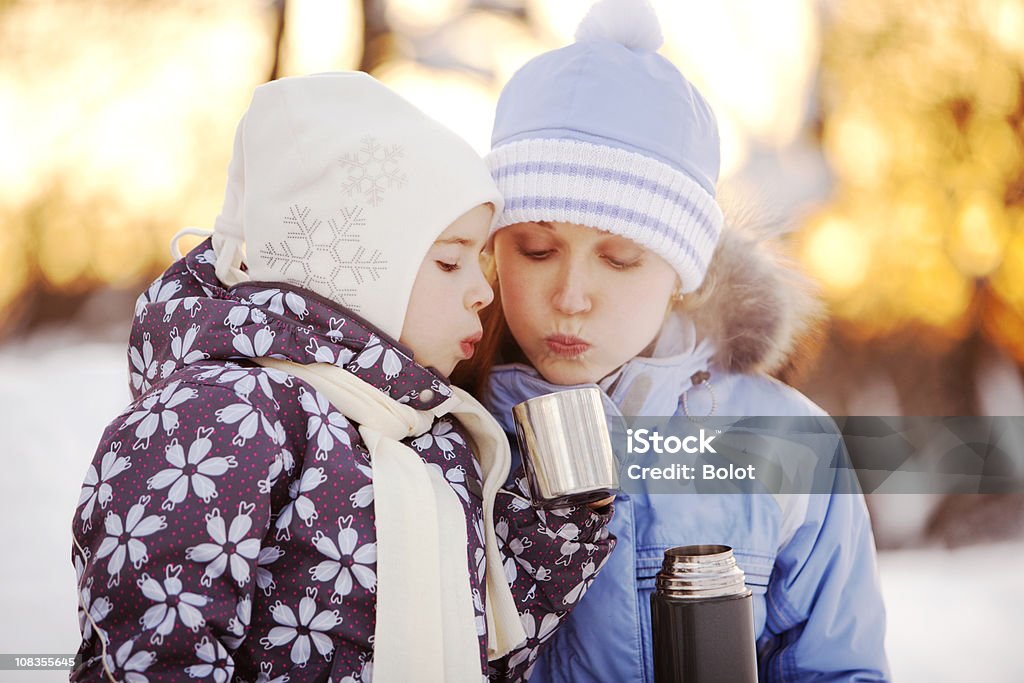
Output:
x,y
372,169
309,236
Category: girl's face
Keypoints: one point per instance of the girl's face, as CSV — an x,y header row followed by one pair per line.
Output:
x,y
579,302
442,323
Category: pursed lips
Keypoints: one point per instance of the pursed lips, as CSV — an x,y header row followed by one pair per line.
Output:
x,y
468,344
566,346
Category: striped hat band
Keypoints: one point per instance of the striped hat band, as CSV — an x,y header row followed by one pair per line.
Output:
x,y
614,190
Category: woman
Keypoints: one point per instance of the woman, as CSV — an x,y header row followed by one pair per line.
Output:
x,y
609,275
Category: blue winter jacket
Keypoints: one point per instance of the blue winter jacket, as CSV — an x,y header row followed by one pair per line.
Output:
x,y
809,559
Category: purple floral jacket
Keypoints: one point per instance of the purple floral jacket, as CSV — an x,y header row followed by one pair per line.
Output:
x,y
225,529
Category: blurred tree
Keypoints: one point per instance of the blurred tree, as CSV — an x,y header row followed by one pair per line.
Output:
x,y
113,117
922,107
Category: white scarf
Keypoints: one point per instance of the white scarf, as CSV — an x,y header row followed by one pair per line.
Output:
x,y
425,629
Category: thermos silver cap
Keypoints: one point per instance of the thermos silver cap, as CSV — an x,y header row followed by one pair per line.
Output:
x,y
696,572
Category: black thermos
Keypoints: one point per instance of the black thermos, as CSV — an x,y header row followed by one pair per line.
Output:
x,y
702,616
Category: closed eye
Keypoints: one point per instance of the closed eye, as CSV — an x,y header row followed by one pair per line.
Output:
x,y
447,267
619,264
535,254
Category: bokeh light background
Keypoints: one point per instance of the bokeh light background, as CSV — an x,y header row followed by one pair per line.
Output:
x,y
889,135
886,139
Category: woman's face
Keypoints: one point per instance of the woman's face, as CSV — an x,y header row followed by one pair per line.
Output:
x,y
579,302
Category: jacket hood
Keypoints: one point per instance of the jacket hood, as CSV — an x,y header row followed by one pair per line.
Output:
x,y
187,316
755,307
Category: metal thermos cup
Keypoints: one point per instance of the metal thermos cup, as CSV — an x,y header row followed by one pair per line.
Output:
x,y
702,618
566,450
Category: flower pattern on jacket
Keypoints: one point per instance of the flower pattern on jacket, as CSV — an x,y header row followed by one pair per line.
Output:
x,y
158,410
97,487
347,562
128,664
126,539
171,604
442,434
193,471
309,626
215,662
230,550
225,527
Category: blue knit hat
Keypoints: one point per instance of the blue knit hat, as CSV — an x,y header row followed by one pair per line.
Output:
x,y
607,133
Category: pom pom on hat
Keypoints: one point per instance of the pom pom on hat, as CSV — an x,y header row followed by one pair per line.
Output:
x,y
631,23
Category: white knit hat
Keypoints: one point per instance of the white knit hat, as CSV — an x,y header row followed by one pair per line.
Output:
x,y
607,133
340,186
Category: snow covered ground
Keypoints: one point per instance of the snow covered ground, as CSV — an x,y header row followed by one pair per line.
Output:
x,y
953,615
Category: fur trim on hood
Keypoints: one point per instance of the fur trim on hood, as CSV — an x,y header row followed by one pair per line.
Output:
x,y
755,305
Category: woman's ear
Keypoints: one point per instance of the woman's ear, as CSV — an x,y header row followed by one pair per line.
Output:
x,y
677,291
675,298
488,264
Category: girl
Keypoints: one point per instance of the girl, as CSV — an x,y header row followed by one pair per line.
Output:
x,y
294,492
607,158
